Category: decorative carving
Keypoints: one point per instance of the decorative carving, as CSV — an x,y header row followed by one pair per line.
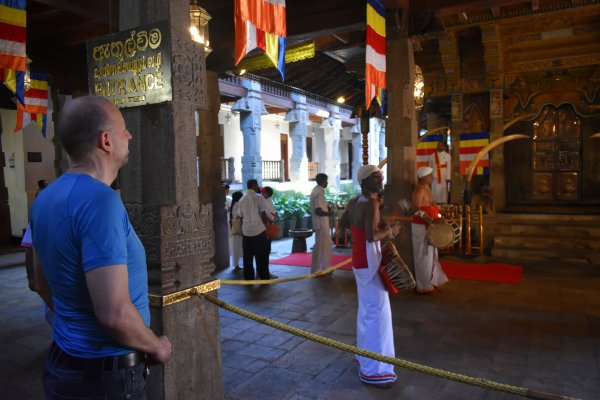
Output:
x,y
190,224
189,72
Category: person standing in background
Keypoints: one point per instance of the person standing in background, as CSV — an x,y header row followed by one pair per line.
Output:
x,y
441,163
267,193
321,214
236,240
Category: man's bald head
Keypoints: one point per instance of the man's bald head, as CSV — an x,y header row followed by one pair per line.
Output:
x,y
80,122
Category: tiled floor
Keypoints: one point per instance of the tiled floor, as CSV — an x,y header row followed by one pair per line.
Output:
x,y
543,334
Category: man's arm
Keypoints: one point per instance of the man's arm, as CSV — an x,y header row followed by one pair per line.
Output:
x,y
108,287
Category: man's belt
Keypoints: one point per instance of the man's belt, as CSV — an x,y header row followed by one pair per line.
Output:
x,y
107,363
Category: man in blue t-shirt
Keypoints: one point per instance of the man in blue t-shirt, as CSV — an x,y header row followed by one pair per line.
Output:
x,y
93,265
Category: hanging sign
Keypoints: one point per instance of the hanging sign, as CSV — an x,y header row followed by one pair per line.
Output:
x,y
133,67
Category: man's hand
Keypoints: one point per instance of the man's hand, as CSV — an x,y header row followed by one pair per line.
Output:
x,y
162,354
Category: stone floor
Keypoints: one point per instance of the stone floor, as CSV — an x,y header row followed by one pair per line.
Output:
x,y
542,334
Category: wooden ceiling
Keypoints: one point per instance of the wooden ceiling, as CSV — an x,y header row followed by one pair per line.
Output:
x,y
443,32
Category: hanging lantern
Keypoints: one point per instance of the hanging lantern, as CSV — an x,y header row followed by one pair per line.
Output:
x,y
419,89
199,25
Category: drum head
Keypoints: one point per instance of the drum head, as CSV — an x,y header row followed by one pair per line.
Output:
x,y
440,235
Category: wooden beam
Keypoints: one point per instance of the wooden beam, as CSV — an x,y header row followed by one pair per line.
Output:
x,y
94,10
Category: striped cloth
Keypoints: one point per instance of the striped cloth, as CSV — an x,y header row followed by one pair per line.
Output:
x,y
12,35
376,48
470,144
36,103
427,147
261,24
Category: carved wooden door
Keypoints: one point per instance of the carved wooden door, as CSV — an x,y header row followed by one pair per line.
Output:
x,y
557,154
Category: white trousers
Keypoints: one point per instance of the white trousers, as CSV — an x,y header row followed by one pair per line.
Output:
x,y
428,270
374,320
321,255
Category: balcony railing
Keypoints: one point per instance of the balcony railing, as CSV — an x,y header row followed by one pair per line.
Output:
x,y
272,170
227,170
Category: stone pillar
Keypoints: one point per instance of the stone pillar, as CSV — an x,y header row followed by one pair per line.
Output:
x,y
160,192
402,121
457,182
356,151
251,108
332,128
298,118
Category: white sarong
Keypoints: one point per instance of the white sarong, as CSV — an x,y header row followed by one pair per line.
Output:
x,y
428,270
374,320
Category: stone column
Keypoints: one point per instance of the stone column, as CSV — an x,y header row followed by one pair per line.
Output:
x,y
160,192
332,128
402,121
356,151
251,108
298,118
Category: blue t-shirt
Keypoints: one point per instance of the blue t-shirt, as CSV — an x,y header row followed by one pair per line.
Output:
x,y
78,224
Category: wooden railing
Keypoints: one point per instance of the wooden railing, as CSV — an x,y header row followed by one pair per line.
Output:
x,y
313,170
272,170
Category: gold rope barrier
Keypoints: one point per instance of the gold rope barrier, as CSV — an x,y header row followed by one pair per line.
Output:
x,y
294,278
481,382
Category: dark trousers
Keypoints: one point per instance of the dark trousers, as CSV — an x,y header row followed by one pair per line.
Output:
x,y
256,247
97,382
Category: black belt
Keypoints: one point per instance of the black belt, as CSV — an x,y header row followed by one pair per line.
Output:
x,y
107,363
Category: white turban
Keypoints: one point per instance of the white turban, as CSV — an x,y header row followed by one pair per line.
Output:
x,y
365,171
424,171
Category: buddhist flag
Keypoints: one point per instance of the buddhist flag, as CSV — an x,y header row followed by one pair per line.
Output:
x,y
12,35
470,144
376,48
36,103
261,24
426,148
15,82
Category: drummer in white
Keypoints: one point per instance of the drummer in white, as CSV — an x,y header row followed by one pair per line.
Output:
x,y
428,271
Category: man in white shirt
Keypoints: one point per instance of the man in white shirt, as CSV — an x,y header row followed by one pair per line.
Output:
x,y
321,256
253,211
441,162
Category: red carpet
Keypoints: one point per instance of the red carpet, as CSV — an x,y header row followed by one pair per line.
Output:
x,y
502,273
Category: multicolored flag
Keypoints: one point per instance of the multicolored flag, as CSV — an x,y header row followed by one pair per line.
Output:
x,y
261,24
427,147
36,103
470,144
376,49
15,82
12,35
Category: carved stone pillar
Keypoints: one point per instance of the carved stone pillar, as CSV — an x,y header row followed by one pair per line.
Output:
x,y
251,108
298,119
450,60
159,188
402,121
332,128
356,151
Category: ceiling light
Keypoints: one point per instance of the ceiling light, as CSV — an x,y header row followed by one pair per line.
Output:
x,y
419,92
341,100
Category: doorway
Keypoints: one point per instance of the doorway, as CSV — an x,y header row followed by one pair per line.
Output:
x,y
284,156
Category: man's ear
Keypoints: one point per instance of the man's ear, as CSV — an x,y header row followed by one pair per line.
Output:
x,y
104,141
